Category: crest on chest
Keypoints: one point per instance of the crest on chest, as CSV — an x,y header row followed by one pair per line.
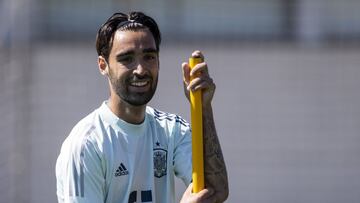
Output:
x,y
160,161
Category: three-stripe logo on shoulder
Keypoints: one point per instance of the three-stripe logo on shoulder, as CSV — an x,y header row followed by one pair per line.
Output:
x,y
121,171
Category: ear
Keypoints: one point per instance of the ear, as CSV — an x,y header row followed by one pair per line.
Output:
x,y
103,65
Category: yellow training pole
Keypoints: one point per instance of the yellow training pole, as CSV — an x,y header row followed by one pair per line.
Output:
x,y
197,134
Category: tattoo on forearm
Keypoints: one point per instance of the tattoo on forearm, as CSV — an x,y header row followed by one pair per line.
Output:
x,y
214,166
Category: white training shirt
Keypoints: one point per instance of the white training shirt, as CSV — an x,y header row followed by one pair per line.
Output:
x,y
105,159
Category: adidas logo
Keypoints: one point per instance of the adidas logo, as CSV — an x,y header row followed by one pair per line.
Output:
x,y
121,171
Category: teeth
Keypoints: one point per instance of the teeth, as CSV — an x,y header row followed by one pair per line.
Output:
x,y
139,84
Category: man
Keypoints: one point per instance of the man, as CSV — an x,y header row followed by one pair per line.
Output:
x,y
126,151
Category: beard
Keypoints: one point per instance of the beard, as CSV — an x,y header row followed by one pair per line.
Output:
x,y
120,86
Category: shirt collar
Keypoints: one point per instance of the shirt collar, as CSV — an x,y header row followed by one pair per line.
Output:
x,y
119,124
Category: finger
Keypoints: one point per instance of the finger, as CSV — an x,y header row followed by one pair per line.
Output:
x,y
187,196
189,189
199,69
200,83
205,194
197,54
186,72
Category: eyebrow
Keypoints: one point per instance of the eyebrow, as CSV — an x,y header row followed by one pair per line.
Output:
x,y
150,50
126,53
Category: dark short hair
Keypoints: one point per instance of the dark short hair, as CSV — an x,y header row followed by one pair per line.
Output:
x,y
120,21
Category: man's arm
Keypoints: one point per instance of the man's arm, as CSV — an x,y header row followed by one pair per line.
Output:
x,y
214,165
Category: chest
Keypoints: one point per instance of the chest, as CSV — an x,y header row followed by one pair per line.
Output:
x,y
138,167
147,151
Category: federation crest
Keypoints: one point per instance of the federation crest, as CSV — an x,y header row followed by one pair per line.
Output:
x,y
160,159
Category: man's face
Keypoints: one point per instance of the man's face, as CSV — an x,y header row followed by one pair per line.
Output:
x,y
134,66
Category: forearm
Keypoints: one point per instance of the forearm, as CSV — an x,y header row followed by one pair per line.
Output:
x,y
214,164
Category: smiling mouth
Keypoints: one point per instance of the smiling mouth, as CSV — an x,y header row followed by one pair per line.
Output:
x,y
139,83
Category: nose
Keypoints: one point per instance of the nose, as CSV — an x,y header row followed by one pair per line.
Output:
x,y
139,69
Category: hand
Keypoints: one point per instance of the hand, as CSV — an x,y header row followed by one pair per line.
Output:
x,y
204,196
202,80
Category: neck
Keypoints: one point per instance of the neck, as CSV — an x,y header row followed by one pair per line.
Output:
x,y
127,112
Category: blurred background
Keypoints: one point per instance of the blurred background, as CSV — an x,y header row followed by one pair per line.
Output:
x,y
286,107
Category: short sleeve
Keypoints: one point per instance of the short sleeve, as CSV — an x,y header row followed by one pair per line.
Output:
x,y
79,174
182,159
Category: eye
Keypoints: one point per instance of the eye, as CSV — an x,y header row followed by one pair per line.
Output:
x,y
150,56
125,59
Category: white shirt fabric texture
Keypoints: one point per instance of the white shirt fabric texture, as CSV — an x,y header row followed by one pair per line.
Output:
x,y
107,160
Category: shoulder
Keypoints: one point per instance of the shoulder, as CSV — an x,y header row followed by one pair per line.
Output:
x,y
172,125
166,119
86,127
84,134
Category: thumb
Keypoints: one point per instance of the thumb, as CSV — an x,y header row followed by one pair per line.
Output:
x,y
205,193
189,189
186,73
